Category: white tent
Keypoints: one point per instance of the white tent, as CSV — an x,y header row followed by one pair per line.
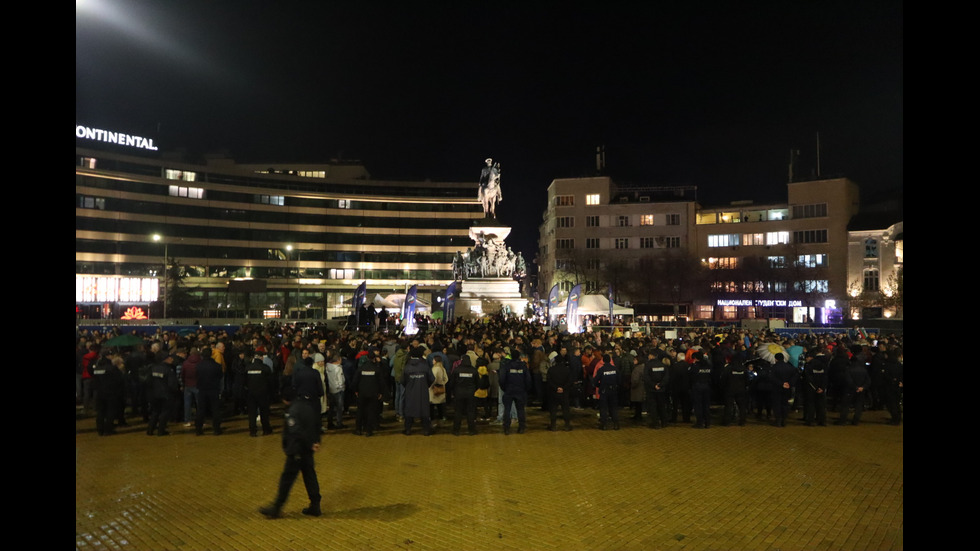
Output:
x,y
593,305
396,300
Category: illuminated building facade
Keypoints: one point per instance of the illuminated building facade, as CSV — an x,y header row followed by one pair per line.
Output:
x,y
274,240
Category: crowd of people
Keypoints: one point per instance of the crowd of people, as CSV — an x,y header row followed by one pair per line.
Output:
x,y
489,370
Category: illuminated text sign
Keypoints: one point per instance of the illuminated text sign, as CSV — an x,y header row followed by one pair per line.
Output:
x,y
117,138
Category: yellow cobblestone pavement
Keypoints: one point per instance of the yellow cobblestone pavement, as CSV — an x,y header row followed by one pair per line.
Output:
x,y
756,487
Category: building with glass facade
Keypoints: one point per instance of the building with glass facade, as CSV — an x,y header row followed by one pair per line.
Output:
x,y
272,240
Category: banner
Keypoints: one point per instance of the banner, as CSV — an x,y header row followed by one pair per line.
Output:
x,y
410,327
571,309
450,304
610,304
553,299
358,301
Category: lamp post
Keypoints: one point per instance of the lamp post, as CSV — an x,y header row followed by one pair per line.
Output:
x,y
166,295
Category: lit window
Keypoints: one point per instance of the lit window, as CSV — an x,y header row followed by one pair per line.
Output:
x,y
777,261
777,238
92,203
812,260
189,192
646,219
88,162
185,175
872,279
753,239
345,203
592,199
723,240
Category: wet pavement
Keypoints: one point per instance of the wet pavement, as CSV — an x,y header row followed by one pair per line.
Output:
x,y
756,487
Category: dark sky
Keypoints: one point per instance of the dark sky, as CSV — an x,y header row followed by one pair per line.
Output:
x,y
712,94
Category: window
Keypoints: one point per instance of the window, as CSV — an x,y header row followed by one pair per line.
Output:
x,y
92,203
647,243
593,264
278,200
777,238
723,240
872,281
777,262
622,243
565,244
565,221
810,236
339,273
189,192
673,220
592,221
753,239
312,173
870,248
672,242
592,243
646,219
811,260
185,175
727,263
812,286
623,222
564,200
88,162
345,203
817,210
592,199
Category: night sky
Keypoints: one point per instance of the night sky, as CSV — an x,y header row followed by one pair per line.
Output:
x,y
712,94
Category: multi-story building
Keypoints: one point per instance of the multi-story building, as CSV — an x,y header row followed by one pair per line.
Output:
x,y
785,260
673,258
876,260
273,240
597,233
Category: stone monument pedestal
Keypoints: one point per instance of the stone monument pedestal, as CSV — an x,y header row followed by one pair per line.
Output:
x,y
490,295
488,272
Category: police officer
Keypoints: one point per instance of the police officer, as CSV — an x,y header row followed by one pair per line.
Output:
x,y
735,383
368,383
784,379
606,380
656,378
300,440
110,387
701,390
560,382
857,382
515,382
464,382
815,382
259,381
894,384
161,387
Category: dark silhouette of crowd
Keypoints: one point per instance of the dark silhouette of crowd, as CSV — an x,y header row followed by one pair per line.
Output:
x,y
700,377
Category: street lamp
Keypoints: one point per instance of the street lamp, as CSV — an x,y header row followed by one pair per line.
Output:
x,y
166,295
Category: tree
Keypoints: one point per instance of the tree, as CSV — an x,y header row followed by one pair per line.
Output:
x,y
180,301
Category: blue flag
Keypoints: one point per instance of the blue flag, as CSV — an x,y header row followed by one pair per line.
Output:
x,y
571,309
410,327
358,301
